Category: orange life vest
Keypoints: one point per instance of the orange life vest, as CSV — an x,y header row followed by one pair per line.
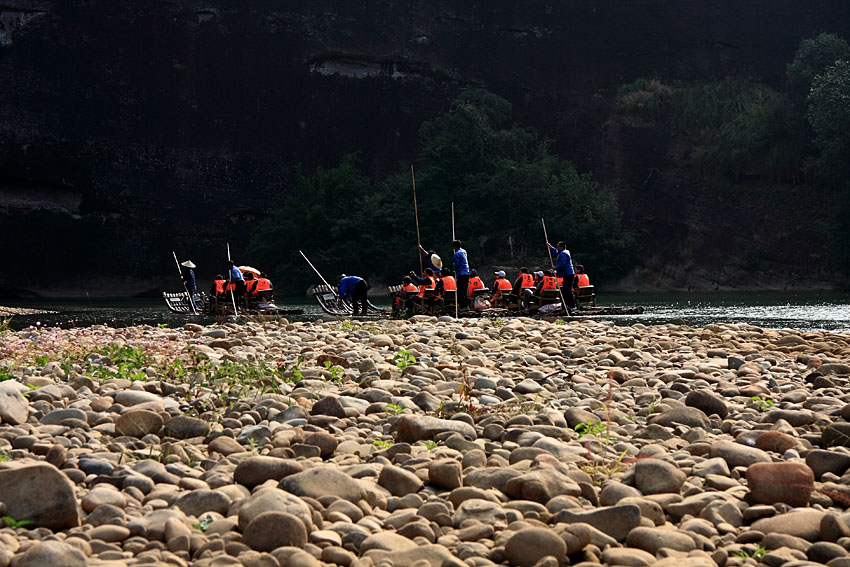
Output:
x,y
409,288
449,283
250,287
220,286
430,285
527,280
474,283
549,282
560,282
582,280
501,284
264,284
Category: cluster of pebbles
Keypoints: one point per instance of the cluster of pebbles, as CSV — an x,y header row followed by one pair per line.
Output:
x,y
520,442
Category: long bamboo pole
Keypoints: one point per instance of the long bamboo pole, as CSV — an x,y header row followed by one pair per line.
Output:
x,y
230,280
416,212
189,295
558,285
324,281
455,276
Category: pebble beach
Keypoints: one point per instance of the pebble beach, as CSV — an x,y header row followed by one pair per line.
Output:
x,y
424,443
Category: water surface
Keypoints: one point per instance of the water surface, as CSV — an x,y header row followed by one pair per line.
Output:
x,y
803,311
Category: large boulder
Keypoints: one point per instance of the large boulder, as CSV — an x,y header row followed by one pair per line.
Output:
x,y
38,492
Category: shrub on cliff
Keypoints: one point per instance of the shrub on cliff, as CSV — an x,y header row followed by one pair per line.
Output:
x,y
813,57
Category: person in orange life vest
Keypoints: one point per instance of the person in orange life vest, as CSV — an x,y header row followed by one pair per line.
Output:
x,y
426,282
407,290
448,280
581,278
500,286
219,286
475,283
264,287
544,281
434,261
524,280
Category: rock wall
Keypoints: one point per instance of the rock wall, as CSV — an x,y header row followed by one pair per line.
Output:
x,y
130,129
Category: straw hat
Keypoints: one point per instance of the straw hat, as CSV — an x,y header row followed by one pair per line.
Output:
x,y
188,264
436,261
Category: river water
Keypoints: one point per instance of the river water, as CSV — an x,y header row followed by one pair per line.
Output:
x,y
803,311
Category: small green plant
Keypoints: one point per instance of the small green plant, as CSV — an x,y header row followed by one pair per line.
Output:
x,y
252,444
403,358
381,443
203,523
41,360
5,457
348,325
498,322
291,373
758,553
162,326
393,409
431,444
5,325
559,322
15,524
598,430
763,403
652,405
336,371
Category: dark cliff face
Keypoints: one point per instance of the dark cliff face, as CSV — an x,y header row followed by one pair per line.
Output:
x,y
131,129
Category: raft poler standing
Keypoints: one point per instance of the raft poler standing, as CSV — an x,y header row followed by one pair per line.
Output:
x,y
356,288
565,272
189,277
234,276
434,261
462,273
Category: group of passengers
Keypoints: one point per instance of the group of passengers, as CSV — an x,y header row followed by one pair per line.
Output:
x,y
527,290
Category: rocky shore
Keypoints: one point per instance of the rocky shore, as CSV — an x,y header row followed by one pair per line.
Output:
x,y
424,443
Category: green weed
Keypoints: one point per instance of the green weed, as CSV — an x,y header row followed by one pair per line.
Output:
x,y
393,409
431,444
758,553
336,371
203,523
15,524
763,403
381,443
403,358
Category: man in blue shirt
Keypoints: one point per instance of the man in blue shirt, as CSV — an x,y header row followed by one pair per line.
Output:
x,y
462,273
355,288
565,272
235,277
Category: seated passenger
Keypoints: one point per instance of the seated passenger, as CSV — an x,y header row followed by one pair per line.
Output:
x,y
475,283
501,287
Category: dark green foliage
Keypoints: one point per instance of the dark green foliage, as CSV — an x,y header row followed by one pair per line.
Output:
x,y
813,57
829,116
501,178
645,97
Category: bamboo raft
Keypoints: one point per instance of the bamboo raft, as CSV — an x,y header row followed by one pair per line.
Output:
x,y
331,304
178,302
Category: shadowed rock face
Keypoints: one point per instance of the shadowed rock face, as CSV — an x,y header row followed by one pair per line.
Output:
x,y
129,129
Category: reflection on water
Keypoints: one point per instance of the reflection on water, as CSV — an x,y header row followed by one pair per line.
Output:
x,y
804,311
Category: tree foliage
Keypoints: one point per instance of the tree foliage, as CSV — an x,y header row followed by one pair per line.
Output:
x,y
813,57
501,178
829,116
